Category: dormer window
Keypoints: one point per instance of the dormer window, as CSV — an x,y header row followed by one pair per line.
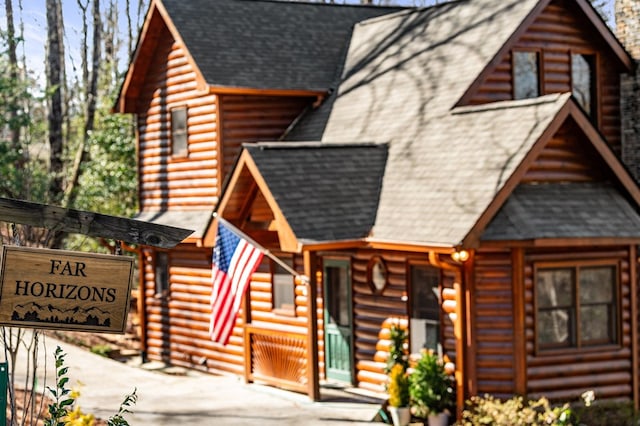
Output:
x,y
583,82
179,132
526,74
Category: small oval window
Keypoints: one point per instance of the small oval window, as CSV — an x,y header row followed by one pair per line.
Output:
x,y
377,274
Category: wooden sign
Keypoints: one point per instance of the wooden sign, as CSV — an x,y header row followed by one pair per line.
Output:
x,y
64,290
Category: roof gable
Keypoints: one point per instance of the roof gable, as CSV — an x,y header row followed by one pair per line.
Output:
x,y
319,192
615,174
267,44
157,26
541,25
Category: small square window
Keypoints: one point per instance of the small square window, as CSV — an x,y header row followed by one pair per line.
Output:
x,y
526,75
283,296
179,132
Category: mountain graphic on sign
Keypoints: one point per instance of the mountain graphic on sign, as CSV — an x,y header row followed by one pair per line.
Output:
x,y
34,312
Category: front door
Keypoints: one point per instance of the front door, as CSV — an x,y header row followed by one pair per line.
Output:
x,y
338,331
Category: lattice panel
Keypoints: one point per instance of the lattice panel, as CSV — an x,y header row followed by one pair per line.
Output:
x,y
282,358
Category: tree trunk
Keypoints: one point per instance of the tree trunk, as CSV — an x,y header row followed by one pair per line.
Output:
x,y
84,57
14,127
82,154
54,116
54,88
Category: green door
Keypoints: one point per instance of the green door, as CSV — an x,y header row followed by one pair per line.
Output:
x,y
337,320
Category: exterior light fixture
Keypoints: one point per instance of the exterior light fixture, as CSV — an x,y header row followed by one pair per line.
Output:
x,y
460,256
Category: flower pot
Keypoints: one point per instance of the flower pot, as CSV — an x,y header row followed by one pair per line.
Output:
x,y
401,416
440,419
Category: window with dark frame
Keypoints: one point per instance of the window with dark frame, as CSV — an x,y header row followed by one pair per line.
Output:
x,y
283,281
162,273
526,74
583,82
576,306
425,308
179,132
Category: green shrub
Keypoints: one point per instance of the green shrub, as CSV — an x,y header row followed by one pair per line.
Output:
x,y
102,350
397,348
62,411
488,410
430,387
608,413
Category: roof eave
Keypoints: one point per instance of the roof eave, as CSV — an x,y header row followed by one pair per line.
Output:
x,y
128,93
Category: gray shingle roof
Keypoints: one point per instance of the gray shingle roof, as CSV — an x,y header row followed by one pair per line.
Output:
x,y
326,192
267,44
569,210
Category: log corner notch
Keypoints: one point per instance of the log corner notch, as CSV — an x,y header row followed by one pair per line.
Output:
x,y
90,223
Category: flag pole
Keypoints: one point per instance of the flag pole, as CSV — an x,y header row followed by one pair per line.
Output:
x,y
266,252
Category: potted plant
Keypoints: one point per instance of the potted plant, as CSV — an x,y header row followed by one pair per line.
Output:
x,y
398,390
431,390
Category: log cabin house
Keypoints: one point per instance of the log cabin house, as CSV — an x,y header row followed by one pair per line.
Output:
x,y
458,168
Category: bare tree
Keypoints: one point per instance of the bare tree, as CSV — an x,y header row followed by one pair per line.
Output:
x,y
84,47
13,70
54,89
82,153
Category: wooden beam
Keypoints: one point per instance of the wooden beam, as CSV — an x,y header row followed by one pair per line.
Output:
x,y
90,223
519,318
313,373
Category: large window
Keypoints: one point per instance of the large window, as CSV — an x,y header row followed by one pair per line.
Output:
x,y
425,308
576,306
526,74
583,82
283,287
179,132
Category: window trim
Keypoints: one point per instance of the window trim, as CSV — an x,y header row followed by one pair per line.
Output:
x,y
617,303
183,154
594,117
377,260
411,263
540,59
273,266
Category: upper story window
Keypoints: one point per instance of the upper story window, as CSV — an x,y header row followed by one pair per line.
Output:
x,y
161,273
526,74
283,296
179,132
576,306
583,81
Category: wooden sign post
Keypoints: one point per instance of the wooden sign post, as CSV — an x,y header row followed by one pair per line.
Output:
x,y
65,290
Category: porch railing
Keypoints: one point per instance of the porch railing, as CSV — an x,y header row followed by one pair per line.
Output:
x,y
278,358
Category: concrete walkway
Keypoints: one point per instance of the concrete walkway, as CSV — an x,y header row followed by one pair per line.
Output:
x,y
192,398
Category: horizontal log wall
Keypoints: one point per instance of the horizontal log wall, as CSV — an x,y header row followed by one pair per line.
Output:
x,y
491,316
567,158
178,322
556,33
564,376
166,181
374,314
255,119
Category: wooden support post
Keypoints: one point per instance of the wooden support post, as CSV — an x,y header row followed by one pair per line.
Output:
x,y
313,376
633,283
519,328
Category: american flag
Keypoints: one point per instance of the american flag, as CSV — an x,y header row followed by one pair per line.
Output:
x,y
234,261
